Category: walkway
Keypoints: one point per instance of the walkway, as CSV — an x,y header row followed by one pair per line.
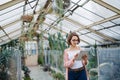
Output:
x,y
37,73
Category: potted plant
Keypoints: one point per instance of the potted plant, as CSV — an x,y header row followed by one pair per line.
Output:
x,y
27,18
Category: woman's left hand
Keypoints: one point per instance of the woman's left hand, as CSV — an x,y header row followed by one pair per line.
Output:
x,y
84,59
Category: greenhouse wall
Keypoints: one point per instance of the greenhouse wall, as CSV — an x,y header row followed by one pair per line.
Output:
x,y
108,60
10,64
109,63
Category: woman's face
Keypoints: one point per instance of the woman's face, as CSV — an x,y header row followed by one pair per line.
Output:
x,y
74,41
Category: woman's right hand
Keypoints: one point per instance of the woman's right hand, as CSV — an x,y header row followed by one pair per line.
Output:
x,y
75,57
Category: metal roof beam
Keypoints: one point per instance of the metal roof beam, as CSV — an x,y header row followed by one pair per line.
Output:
x,y
103,21
100,22
108,6
9,4
10,24
84,27
93,38
5,32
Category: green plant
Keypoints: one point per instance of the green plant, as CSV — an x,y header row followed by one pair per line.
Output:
x,y
5,56
57,42
92,66
27,78
58,76
40,60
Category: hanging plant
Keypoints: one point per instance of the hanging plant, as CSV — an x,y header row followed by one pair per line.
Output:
x,y
57,42
60,6
27,18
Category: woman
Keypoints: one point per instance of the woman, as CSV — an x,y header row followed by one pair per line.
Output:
x,y
75,68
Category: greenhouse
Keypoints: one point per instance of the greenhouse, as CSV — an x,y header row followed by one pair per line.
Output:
x,y
34,38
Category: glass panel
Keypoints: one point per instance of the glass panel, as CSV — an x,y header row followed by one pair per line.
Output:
x,y
72,24
5,41
32,4
117,21
52,31
80,19
5,38
99,10
107,24
89,40
96,27
75,1
48,21
67,30
15,34
10,20
83,31
52,17
44,27
0,40
4,1
116,29
110,33
115,3
41,3
82,2
11,8
12,28
68,25
95,37
11,14
1,33
61,26
87,14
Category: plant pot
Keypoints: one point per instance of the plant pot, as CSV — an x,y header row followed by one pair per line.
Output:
x,y
27,18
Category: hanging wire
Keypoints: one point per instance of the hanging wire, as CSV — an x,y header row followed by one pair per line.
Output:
x,y
34,6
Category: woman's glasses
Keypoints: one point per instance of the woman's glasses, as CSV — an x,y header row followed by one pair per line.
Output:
x,y
75,40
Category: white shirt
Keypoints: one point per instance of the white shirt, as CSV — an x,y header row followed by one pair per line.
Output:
x,y
77,63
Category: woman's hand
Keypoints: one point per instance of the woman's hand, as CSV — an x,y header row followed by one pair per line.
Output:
x,y
85,59
75,57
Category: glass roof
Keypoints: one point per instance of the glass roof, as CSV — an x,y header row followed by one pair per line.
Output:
x,y
113,3
4,1
93,21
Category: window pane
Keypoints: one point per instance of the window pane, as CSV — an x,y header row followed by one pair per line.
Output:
x,y
1,33
4,1
117,21
115,3
98,9
11,8
88,14
110,34
107,24
12,28
80,19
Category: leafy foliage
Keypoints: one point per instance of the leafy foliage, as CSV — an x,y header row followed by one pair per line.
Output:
x,y
57,42
92,66
5,56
